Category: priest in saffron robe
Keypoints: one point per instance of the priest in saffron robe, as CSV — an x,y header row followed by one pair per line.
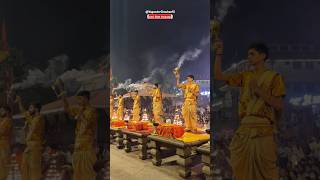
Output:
x,y
31,159
120,109
157,106
136,106
191,92
253,149
5,140
84,155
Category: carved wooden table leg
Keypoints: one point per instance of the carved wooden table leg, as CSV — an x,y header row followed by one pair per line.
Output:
x,y
111,139
119,139
185,161
206,159
156,153
143,147
206,169
127,143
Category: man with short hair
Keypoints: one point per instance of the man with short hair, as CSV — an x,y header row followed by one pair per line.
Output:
x,y
191,92
31,160
253,149
84,156
120,109
136,110
5,140
157,106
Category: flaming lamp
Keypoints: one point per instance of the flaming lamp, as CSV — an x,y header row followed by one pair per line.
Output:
x,y
176,71
215,28
58,87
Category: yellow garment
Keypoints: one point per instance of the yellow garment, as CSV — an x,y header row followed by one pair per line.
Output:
x,y
253,150
157,104
5,140
136,108
83,162
120,108
111,107
190,137
84,157
189,108
271,82
31,160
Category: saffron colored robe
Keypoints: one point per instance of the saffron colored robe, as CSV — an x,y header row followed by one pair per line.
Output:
x,y
31,158
5,141
136,108
157,105
253,149
84,156
189,108
120,110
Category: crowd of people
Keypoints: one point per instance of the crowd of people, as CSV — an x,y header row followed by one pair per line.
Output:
x,y
298,156
299,160
221,155
204,116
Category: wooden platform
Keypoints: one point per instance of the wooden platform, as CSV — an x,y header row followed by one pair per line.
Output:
x,y
207,160
136,138
163,147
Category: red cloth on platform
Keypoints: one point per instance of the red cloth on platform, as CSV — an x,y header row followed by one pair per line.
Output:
x,y
170,130
139,126
118,123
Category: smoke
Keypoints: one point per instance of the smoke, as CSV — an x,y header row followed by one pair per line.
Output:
x,y
35,76
125,85
75,74
57,68
57,65
163,75
129,86
158,75
152,60
222,8
193,54
189,56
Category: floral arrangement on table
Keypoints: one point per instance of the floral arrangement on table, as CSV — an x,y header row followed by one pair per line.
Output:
x,y
118,124
140,126
170,130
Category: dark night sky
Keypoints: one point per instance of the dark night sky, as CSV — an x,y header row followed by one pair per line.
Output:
x,y
44,29
273,22
135,40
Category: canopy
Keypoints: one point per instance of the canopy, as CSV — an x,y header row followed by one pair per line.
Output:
x,y
97,100
146,93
